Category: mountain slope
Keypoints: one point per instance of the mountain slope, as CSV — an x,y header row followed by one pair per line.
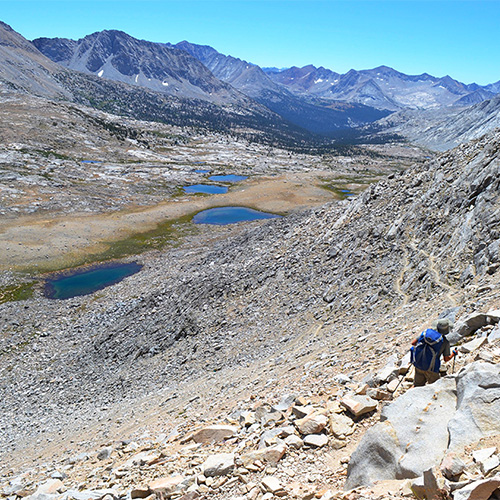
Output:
x,y
117,56
426,236
246,77
23,67
419,237
444,129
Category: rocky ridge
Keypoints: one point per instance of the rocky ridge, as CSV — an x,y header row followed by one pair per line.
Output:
x,y
381,87
115,55
444,129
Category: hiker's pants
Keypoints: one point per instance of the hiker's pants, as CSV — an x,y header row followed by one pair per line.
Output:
x,y
422,377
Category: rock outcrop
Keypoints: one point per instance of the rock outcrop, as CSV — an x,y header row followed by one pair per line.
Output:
x,y
421,427
412,436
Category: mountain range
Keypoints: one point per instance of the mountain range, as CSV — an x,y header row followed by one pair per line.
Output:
x,y
116,55
204,102
317,99
189,84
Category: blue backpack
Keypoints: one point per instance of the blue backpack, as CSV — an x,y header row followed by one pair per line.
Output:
x,y
426,353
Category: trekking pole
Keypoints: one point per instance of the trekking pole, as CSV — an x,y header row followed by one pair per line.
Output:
x,y
455,354
399,383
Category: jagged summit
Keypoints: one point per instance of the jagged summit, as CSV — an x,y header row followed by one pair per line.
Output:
x,y
382,87
117,56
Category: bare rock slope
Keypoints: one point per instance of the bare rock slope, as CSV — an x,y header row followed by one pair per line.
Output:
x,y
23,67
445,128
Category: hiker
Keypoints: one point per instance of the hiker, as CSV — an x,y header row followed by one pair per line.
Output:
x,y
426,353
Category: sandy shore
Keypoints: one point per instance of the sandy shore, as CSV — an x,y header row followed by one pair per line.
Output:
x,y
39,241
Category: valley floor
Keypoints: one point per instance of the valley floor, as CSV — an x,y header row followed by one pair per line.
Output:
x,y
32,241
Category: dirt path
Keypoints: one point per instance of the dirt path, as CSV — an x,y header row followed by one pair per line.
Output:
x,y
32,241
449,291
400,279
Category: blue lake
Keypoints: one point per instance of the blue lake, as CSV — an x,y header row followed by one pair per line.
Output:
x,y
86,281
230,215
198,171
228,178
205,188
347,192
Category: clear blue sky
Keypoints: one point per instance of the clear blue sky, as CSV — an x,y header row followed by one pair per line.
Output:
x,y
454,37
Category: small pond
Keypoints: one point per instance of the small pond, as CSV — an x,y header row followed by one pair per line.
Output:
x,y
86,281
347,192
230,215
205,188
228,178
201,171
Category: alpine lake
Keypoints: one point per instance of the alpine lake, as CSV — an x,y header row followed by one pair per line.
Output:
x,y
84,281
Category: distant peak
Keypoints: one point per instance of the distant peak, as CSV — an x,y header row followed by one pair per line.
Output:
x,y
309,67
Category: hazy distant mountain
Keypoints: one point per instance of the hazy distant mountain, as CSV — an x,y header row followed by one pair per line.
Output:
x,y
305,80
442,129
382,87
493,87
117,56
475,97
306,111
23,67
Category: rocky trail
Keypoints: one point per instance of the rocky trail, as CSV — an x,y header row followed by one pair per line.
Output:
x,y
294,445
